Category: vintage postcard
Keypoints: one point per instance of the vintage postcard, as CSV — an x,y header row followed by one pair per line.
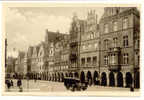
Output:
x,y
71,49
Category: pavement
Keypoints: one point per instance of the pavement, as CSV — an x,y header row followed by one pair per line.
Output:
x,y
49,86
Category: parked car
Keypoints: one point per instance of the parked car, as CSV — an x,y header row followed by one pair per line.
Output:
x,y
74,84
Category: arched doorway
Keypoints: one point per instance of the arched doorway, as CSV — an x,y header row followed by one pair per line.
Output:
x,y
76,74
47,76
43,76
120,79
55,77
58,77
111,79
82,77
66,74
103,79
70,74
128,79
62,77
50,77
33,76
137,80
89,78
95,78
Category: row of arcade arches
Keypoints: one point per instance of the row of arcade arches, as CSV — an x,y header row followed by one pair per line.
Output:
x,y
104,79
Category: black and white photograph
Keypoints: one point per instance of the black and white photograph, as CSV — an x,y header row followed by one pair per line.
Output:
x,y
69,48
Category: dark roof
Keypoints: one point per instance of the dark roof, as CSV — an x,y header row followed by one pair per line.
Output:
x,y
52,36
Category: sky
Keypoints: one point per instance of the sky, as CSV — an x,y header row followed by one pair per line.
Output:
x,y
25,26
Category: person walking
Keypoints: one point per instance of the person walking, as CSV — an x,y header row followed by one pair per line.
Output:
x,y
19,84
8,84
11,83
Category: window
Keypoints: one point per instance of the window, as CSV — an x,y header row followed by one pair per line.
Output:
x,y
106,28
106,44
138,57
83,61
113,59
105,60
91,35
115,42
94,60
95,45
84,47
125,58
115,26
125,41
138,43
88,60
125,23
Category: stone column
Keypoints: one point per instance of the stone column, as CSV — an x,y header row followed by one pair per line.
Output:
x,y
124,79
107,75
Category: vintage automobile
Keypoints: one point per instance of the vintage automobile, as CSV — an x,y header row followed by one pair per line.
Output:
x,y
74,84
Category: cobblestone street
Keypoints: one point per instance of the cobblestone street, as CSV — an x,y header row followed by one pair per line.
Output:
x,y
48,86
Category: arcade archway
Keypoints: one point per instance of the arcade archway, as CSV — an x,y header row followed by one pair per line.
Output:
x,y
120,79
76,74
137,80
89,78
82,77
62,77
111,79
70,74
58,77
103,79
95,78
66,74
128,79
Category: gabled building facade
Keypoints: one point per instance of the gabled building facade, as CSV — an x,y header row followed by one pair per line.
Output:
x,y
89,49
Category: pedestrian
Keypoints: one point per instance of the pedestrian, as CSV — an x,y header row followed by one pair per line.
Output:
x,y
11,83
8,84
19,83
131,88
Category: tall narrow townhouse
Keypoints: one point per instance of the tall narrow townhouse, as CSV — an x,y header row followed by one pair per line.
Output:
x,y
89,50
